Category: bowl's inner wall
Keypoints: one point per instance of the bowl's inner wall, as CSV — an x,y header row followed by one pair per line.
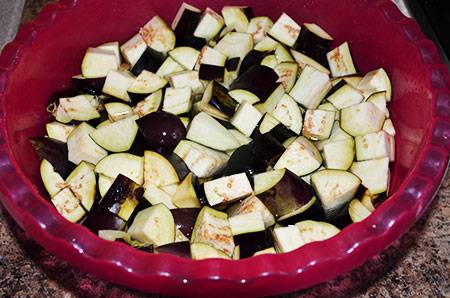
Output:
x,y
56,53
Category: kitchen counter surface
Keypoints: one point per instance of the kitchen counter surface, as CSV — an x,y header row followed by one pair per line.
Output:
x,y
416,265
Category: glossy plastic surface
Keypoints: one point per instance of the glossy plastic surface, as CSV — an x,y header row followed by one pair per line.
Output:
x,y
49,50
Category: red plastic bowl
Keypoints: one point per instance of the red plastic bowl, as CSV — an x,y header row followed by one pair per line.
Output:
x,y
47,52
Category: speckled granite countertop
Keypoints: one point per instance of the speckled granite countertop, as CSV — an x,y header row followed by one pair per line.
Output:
x,y
417,265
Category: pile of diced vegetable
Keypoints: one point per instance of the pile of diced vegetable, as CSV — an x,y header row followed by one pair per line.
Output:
x,y
225,135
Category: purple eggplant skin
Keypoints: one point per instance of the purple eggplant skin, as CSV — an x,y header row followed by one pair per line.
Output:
x,y
258,79
94,122
288,195
151,60
209,72
101,219
181,249
137,97
190,41
252,58
248,11
232,64
335,88
121,191
91,86
281,133
244,160
315,212
266,148
187,23
222,101
177,162
313,46
55,152
253,242
185,219
162,130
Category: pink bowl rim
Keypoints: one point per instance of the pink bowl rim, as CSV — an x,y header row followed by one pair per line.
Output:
x,y
79,246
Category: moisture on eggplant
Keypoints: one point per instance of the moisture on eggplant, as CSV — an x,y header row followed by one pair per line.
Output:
x,y
102,219
258,79
185,219
222,101
150,60
91,86
181,249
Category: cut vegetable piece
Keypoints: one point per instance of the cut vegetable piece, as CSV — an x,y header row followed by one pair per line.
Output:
x,y
104,183
53,182
335,189
269,105
246,118
227,189
287,72
282,54
202,161
252,58
376,81
201,251
68,205
154,225
187,78
186,20
287,238
303,60
185,219
339,155
211,72
258,79
345,96
98,62
251,243
209,25
133,49
82,183
318,124
246,223
240,137
241,95
122,197
58,131
126,164
362,119
117,84
232,64
337,134
281,133
150,60
235,44
374,146
112,46
117,111
367,201
311,87
85,85
156,195
181,249
177,100
146,83
259,27
211,56
379,99
270,250
170,189
301,157
267,44
270,61
314,42
285,30
186,56
357,211
169,66
244,159
117,136
158,35
374,174
329,107
341,62
212,227
268,123
235,18
185,196
252,205
288,113
312,231
158,170
79,108
207,131
101,219
388,127
161,130
221,100
289,196
190,41
81,147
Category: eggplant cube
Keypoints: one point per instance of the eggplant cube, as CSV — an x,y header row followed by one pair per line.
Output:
x,y
112,46
235,18
288,113
374,174
318,124
228,189
362,119
311,87
212,227
376,81
117,84
168,67
258,28
189,79
301,157
186,56
202,161
133,49
80,108
53,182
116,136
117,111
250,205
177,100
82,183
285,30
98,62
373,146
155,195
246,223
235,44
211,56
388,127
312,231
147,82
246,118
158,170
339,155
154,225
149,105
68,205
287,238
81,147
158,35
345,96
126,164
340,61
209,25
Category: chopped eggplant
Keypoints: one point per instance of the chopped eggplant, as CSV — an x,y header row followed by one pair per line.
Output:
x,y
252,58
133,49
246,118
374,146
79,108
281,133
244,159
341,61
186,56
185,195
101,219
81,147
267,123
211,72
258,79
181,249
158,170
253,242
357,211
318,124
303,60
282,54
246,223
155,195
241,95
168,67
235,44
285,30
316,230
186,20
259,27
209,25
53,182
345,96
190,41
235,18
267,44
232,64
376,81
270,61
339,155
314,42
147,82
117,84
177,100
98,62
228,189
374,174
252,205
221,100
116,136
201,251
158,35
361,119
92,86
287,238
289,114
287,72
126,164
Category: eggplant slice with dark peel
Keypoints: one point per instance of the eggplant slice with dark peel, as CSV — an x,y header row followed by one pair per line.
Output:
x,y
91,86
151,60
185,219
222,101
259,80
